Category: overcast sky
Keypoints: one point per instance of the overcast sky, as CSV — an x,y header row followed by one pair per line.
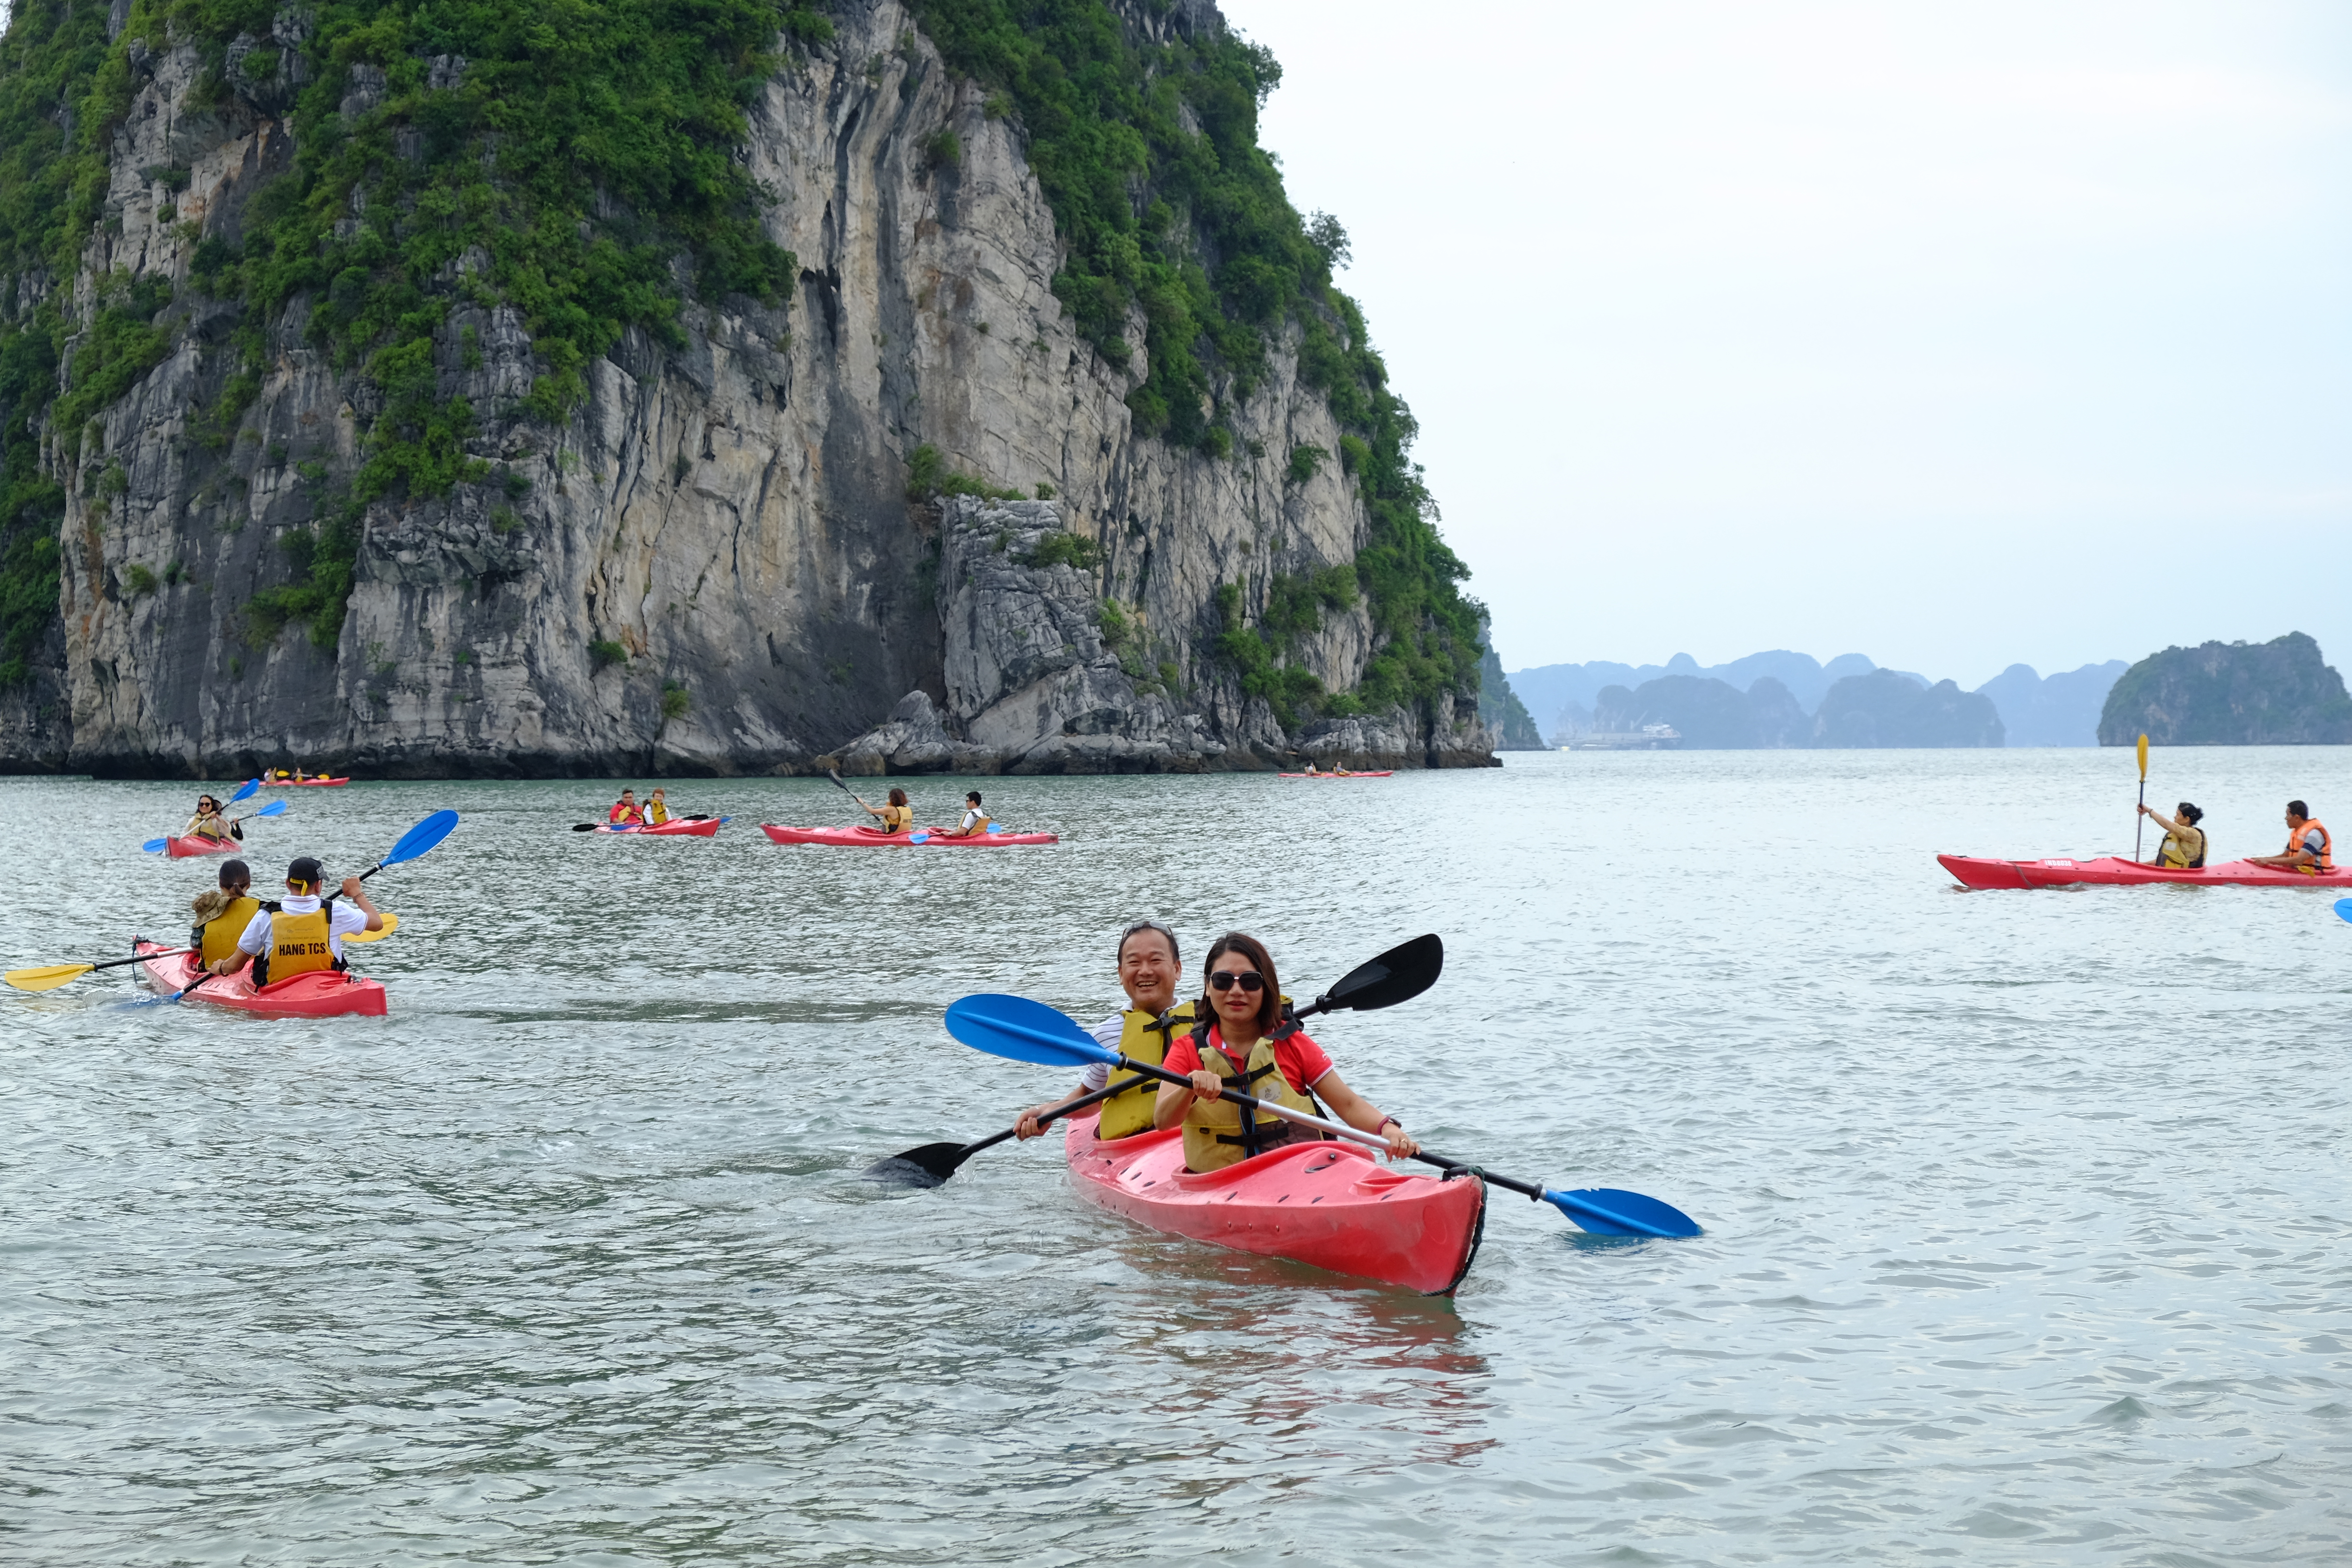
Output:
x,y
1953,334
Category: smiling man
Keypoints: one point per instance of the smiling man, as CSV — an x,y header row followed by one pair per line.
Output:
x,y
1147,972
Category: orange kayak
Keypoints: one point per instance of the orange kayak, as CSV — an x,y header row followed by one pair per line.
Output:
x,y
321,993
1330,1205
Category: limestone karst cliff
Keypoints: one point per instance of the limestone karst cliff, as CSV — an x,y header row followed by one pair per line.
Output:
x,y
313,444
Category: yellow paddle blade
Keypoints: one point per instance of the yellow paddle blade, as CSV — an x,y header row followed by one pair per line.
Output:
x,y
2143,756
390,924
47,978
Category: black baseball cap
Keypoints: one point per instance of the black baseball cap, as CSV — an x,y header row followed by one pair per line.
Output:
x,y
304,869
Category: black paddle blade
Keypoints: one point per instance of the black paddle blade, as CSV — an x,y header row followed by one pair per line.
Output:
x,y
1400,974
927,1166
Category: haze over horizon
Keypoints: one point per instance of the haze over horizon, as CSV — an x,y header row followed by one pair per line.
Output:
x,y
1958,338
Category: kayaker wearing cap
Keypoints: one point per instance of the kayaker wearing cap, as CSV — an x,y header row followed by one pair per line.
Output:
x,y
897,816
304,933
222,914
2308,848
656,808
624,812
1252,1046
975,820
2183,849
1148,971
208,821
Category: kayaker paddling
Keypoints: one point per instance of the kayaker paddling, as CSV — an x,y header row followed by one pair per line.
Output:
x,y
1240,1038
223,913
975,818
2183,849
624,812
2309,850
1149,972
896,814
208,821
304,931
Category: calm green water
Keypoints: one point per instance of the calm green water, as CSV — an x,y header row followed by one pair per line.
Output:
x,y
2026,1212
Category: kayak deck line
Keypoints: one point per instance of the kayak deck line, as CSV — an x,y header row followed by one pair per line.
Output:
x,y
1984,874
1328,1204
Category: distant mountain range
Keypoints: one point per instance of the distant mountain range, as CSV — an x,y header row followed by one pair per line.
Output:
x,y
2027,710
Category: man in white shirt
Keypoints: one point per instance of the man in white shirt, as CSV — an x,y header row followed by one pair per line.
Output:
x,y
1147,971
975,820
274,935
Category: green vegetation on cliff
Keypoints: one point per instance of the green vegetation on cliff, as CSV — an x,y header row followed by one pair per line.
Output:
x,y
1196,231
2278,693
1506,718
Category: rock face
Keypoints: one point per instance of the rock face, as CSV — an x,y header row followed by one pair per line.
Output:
x,y
1881,709
2278,693
714,566
1886,708
2062,709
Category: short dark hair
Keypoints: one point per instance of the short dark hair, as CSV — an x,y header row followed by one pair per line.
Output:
x,y
2296,808
1269,1001
897,796
1140,926
972,795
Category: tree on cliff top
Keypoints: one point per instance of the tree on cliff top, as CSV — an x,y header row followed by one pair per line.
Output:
x,y
2278,693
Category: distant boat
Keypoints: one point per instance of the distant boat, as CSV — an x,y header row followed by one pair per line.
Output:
x,y
1648,738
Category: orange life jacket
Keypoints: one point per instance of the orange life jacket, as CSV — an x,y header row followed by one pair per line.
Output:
x,y
2326,846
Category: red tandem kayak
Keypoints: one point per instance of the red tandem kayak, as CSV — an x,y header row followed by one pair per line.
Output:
x,y
677,827
874,838
321,993
1383,772
181,848
305,783
2110,870
1331,1204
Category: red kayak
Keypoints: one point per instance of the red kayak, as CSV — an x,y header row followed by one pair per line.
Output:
x,y
320,993
1384,773
2109,870
181,848
875,838
676,828
305,783
1331,1204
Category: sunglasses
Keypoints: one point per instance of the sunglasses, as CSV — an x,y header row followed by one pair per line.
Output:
x,y
1251,982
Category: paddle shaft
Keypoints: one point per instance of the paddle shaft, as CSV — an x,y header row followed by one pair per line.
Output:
x,y
2141,829
969,1150
1337,1129
142,958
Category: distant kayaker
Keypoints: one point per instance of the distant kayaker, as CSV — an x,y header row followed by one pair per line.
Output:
x,y
208,821
975,820
2308,848
624,812
1250,1046
656,808
2183,849
897,816
1149,972
304,933
222,914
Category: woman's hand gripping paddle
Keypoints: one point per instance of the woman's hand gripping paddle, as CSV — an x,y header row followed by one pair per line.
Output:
x,y
275,808
1023,1031
1400,974
2140,823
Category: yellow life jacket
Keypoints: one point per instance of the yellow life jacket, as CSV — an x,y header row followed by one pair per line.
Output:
x,y
1214,1134
2177,854
656,813
1144,1038
298,945
216,937
899,819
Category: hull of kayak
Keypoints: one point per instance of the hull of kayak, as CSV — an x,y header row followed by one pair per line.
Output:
x,y
304,783
2108,870
181,848
678,827
321,993
1330,1205
867,838
1382,773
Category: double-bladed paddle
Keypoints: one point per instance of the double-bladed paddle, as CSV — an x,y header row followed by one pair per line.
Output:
x,y
275,808
50,976
1023,1031
1400,974
637,827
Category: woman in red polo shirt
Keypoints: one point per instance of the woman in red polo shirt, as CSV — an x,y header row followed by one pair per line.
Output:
x,y
1251,1047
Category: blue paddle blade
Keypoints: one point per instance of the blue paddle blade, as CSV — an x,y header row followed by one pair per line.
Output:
x,y
1021,1030
2343,909
275,808
157,846
421,837
244,790
919,838
996,827
1611,1211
